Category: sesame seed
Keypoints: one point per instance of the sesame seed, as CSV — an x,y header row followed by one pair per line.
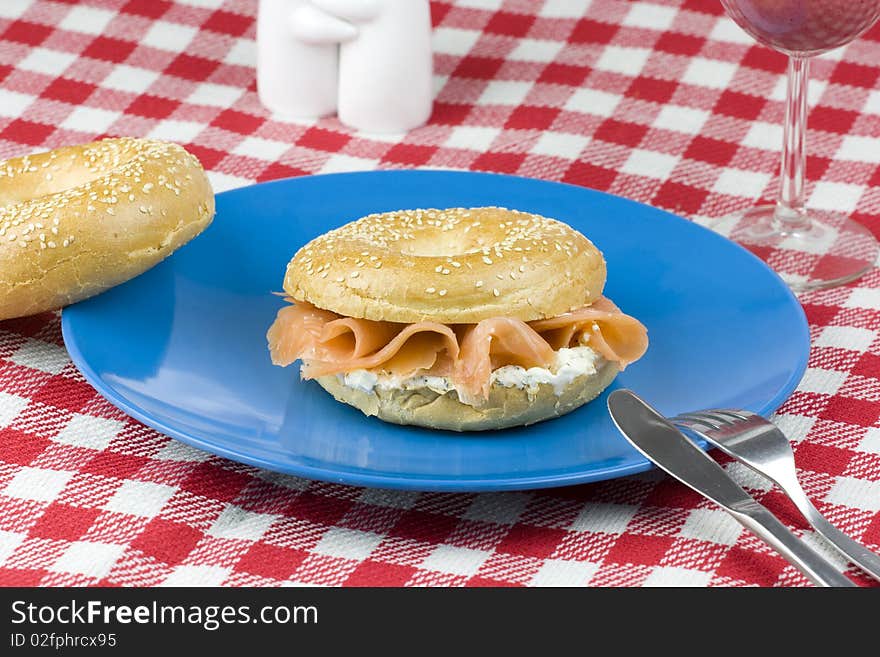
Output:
x,y
495,291
430,290
479,284
487,260
65,243
354,274
50,244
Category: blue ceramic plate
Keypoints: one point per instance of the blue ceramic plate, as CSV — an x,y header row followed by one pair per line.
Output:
x,y
182,348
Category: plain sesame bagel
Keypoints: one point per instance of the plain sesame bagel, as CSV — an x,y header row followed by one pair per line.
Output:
x,y
458,265
80,219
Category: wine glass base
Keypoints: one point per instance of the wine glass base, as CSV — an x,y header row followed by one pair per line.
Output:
x,y
830,250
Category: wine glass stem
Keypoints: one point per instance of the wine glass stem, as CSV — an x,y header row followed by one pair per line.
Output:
x,y
790,214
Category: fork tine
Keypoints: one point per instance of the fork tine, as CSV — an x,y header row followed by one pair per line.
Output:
x,y
697,418
735,414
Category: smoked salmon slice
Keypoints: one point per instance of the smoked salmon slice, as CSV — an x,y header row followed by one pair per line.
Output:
x,y
330,344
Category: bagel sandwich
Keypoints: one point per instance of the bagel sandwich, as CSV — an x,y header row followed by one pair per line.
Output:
x,y
462,319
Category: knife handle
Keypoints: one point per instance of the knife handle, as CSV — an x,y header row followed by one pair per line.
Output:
x,y
813,565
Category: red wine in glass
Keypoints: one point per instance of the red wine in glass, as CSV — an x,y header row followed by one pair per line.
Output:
x,y
811,248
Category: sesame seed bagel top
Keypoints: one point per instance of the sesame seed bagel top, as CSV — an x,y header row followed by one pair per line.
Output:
x,y
458,265
79,219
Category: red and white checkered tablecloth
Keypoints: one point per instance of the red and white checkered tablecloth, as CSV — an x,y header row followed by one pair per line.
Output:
x,y
665,102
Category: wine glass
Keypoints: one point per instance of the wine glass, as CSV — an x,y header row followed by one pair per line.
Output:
x,y
812,248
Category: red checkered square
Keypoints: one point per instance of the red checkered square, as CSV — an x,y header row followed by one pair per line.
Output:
x,y
26,132
509,24
271,561
64,522
31,34
69,91
169,542
109,49
227,22
375,573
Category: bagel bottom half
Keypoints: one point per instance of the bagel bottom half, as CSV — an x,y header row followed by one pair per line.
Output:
x,y
507,406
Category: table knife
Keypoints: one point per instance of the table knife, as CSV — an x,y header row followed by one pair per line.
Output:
x,y
651,434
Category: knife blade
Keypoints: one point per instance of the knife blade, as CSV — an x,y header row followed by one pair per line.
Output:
x,y
673,452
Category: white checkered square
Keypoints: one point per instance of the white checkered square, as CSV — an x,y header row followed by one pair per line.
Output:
x,y
650,164
341,162
863,297
206,4
88,558
89,20
650,16
747,478
605,518
455,560
564,572
169,36
536,50
764,136
347,543
839,197
712,525
476,138
392,499
177,451
10,406
9,542
565,8
711,73
480,4
619,59
13,103
501,508
177,131
140,498
871,441
242,53
845,337
215,95
454,41
679,118
667,576
130,78
43,60
90,119
39,355
505,92
593,101
14,8
197,576
264,149
728,31
872,105
795,427
37,484
557,144
221,182
814,90
856,493
825,382
89,431
237,523
739,182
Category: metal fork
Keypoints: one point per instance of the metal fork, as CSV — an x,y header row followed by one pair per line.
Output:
x,y
760,445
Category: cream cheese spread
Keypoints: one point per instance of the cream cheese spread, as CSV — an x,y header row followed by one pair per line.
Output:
x,y
569,365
